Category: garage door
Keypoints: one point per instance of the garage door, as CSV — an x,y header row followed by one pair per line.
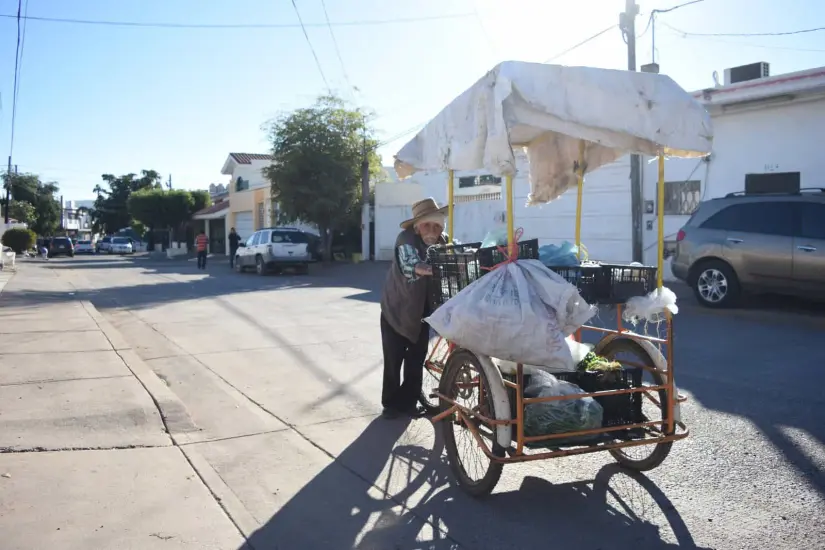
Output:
x,y
243,224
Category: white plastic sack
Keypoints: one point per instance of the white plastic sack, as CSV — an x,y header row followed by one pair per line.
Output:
x,y
578,350
521,312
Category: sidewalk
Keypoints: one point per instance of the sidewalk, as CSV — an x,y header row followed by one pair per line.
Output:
x,y
86,459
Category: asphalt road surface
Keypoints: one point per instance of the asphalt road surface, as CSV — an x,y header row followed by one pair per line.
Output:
x,y
282,376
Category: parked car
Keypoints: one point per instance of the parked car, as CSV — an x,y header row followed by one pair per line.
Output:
x,y
84,247
61,246
765,243
275,248
103,244
121,245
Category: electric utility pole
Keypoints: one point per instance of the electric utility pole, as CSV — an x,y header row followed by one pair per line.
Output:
x,y
8,191
627,22
365,202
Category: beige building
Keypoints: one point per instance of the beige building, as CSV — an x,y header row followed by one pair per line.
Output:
x,y
250,202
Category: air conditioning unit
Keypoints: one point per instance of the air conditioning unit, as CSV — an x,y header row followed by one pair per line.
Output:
x,y
744,73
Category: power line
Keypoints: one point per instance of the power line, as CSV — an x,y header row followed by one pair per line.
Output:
x,y
162,25
580,44
651,24
784,33
317,62
337,51
19,77
676,7
15,87
746,44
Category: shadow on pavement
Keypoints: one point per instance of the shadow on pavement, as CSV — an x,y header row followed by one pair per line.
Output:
x,y
763,373
365,280
612,511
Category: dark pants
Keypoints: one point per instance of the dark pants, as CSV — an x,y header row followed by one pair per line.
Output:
x,y
232,252
397,351
201,259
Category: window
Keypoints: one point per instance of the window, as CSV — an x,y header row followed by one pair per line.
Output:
x,y
682,198
772,182
812,218
259,214
253,240
294,237
474,181
765,218
241,184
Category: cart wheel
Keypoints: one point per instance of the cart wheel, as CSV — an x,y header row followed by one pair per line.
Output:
x,y
464,381
437,353
643,457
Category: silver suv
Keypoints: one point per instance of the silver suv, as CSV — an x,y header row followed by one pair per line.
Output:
x,y
765,243
275,248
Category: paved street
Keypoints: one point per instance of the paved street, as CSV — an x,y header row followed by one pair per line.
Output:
x,y
146,404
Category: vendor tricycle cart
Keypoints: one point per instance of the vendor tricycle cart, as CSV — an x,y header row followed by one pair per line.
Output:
x,y
569,120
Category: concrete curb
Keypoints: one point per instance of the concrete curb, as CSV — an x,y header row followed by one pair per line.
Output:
x,y
172,410
221,492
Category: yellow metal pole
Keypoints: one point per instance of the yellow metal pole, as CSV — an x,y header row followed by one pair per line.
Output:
x,y
511,232
450,204
580,174
660,211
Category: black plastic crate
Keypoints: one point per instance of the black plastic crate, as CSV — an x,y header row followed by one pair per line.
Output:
x,y
609,283
619,410
491,256
456,266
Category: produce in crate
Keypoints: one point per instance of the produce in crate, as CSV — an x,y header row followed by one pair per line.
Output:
x,y
562,416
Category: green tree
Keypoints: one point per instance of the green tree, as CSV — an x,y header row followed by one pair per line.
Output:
x,y
200,200
22,211
27,188
19,239
111,211
158,208
316,169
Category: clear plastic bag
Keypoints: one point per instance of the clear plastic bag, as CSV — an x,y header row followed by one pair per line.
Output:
x,y
495,237
556,417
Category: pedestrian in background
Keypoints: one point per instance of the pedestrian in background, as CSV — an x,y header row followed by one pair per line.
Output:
x,y
234,241
201,242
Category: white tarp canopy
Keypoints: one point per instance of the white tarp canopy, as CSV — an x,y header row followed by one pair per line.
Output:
x,y
548,110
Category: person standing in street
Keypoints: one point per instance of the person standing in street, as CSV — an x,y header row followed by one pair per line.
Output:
x,y
234,242
404,305
202,242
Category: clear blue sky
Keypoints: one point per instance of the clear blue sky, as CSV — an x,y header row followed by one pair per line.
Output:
x,y
109,99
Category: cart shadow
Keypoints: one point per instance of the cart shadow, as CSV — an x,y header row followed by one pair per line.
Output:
x,y
419,506
615,510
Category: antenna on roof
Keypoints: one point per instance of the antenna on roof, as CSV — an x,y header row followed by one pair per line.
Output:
x,y
716,79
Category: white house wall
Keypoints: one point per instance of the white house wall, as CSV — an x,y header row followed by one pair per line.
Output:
x,y
779,138
252,173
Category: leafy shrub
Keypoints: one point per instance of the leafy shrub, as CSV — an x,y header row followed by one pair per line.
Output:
x,y
19,239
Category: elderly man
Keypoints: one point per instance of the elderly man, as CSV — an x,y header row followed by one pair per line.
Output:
x,y
404,303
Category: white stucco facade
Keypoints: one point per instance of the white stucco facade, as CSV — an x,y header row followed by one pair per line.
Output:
x,y
764,126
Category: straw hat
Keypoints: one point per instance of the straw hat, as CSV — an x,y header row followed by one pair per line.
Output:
x,y
424,209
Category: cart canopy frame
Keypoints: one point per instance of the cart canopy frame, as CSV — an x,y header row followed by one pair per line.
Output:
x,y
549,110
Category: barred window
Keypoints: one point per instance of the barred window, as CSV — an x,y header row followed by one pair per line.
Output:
x,y
682,197
474,181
